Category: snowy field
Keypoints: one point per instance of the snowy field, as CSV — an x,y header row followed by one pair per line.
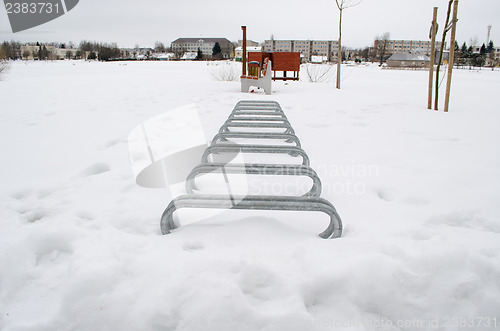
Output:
x,y
418,192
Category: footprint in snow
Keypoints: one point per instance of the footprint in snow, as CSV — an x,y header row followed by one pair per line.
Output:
x,y
95,169
193,246
385,195
114,142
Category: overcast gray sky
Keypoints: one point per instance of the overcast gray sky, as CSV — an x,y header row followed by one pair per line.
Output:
x,y
130,22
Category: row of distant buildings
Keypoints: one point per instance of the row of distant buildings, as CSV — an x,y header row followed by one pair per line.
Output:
x,y
30,52
310,50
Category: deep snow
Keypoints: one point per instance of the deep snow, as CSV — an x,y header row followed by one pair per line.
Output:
x,y
417,190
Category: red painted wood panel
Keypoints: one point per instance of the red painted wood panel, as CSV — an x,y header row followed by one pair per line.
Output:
x,y
281,61
286,61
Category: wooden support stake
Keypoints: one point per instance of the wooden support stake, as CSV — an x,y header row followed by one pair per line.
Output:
x,y
244,56
433,56
339,50
452,55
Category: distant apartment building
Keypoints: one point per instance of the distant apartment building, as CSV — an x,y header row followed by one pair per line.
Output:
x,y
206,45
250,43
408,46
307,48
304,48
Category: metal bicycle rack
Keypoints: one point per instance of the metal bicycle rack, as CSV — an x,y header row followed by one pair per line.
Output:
x,y
255,121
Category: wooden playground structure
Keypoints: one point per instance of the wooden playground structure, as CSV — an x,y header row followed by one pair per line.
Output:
x,y
282,62
263,66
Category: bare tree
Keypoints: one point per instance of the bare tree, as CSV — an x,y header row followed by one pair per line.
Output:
x,y
159,47
224,70
381,43
341,5
319,73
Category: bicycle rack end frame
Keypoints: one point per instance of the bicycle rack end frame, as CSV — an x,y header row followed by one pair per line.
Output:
x,y
334,229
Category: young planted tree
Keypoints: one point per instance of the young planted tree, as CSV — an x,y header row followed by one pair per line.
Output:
x,y
341,5
447,27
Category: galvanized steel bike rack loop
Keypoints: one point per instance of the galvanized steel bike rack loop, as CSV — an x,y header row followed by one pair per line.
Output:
x,y
255,116
258,101
255,103
257,119
254,108
286,126
291,138
334,229
257,107
256,169
235,148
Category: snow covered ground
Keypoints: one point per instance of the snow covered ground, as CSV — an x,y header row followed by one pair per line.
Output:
x,y
418,192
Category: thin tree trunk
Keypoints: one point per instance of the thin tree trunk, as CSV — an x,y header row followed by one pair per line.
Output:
x,y
339,52
445,30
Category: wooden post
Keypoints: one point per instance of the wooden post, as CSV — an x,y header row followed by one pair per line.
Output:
x,y
244,56
433,56
339,50
452,55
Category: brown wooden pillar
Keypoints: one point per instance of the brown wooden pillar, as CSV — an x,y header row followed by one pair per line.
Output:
x,y
433,56
244,56
451,59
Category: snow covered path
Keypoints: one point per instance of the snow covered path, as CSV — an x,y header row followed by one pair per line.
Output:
x,y
417,190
